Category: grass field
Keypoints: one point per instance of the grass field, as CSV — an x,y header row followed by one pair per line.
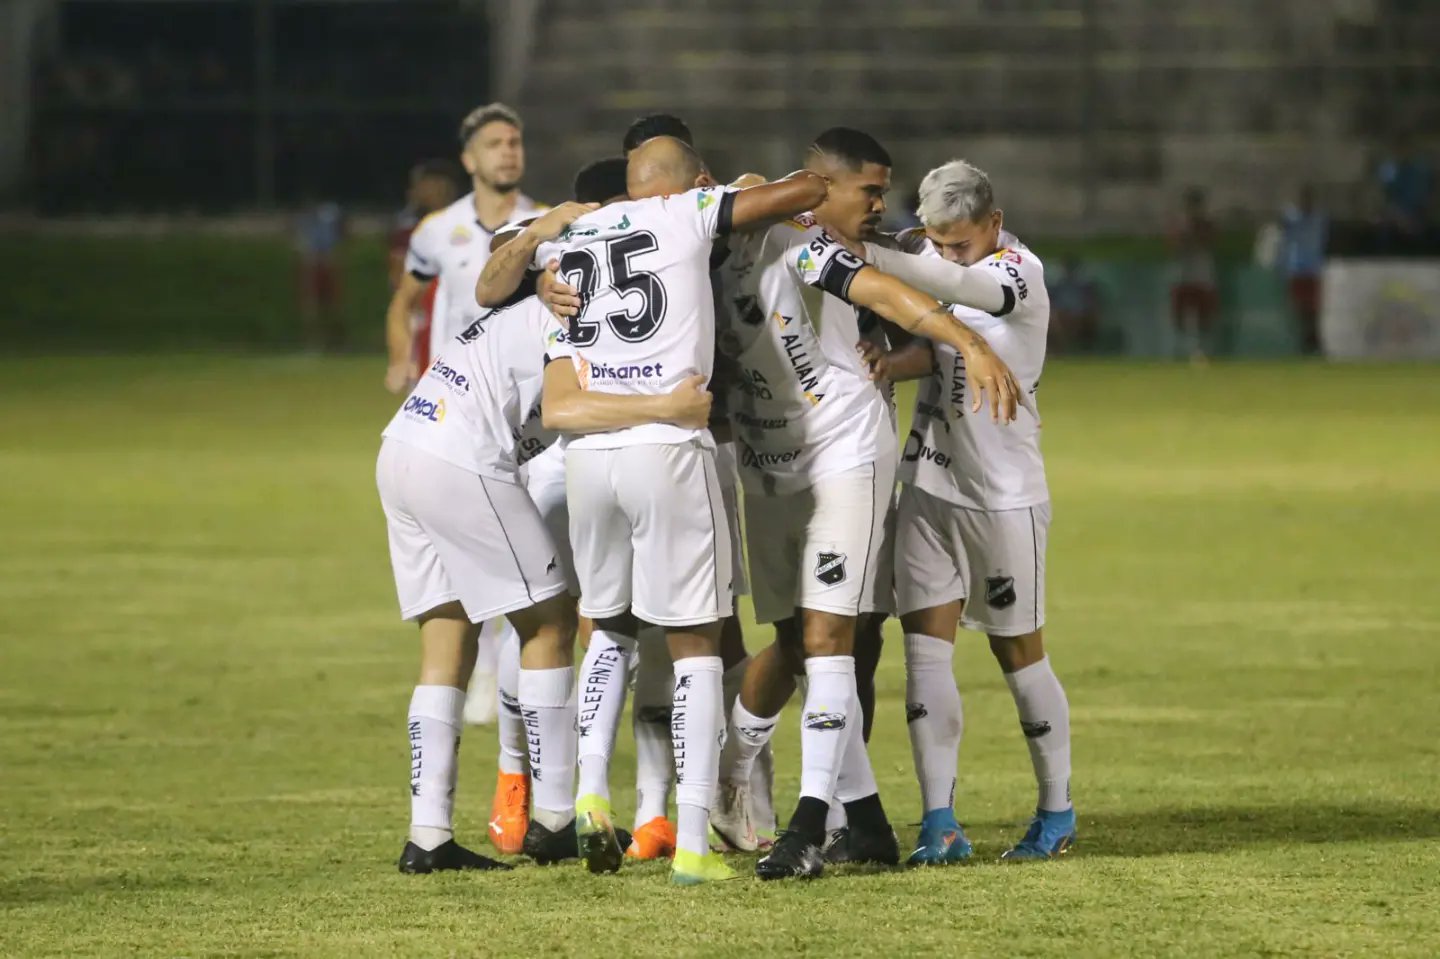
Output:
x,y
203,685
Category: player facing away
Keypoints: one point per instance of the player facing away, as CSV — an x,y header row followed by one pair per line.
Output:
x,y
467,544
647,524
542,470
975,512
818,458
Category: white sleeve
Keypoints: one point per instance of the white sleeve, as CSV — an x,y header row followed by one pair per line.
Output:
x,y
821,262
557,340
948,282
713,207
422,258
1017,271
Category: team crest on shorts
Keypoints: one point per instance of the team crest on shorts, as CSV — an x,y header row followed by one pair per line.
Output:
x,y
825,721
1000,591
830,568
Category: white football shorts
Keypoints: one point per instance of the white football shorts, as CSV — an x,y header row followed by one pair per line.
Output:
x,y
457,535
544,478
994,560
729,472
649,532
826,547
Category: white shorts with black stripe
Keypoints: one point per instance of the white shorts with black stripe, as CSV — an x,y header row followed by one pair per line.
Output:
x,y
648,528
544,478
826,547
994,560
456,535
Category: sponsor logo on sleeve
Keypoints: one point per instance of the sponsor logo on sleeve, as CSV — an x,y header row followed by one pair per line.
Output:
x,y
705,198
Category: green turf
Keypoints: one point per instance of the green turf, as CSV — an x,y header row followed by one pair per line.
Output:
x,y
203,684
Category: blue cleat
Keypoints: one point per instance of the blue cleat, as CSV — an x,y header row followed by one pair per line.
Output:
x,y
1051,834
942,841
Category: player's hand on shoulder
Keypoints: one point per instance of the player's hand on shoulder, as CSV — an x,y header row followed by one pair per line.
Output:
x,y
553,222
561,299
690,403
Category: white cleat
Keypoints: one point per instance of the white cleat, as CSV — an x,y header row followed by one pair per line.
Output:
x,y
482,700
732,820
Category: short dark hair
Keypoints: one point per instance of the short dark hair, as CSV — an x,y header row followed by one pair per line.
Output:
x,y
657,125
851,147
489,113
438,167
600,181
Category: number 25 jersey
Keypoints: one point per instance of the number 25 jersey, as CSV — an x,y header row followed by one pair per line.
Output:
x,y
647,319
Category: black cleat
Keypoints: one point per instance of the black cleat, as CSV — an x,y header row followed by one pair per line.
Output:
x,y
548,847
847,845
448,855
792,857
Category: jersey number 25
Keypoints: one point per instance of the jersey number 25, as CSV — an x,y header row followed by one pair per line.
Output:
x,y
581,270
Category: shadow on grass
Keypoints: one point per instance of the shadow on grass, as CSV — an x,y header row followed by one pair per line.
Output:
x,y
32,890
1221,828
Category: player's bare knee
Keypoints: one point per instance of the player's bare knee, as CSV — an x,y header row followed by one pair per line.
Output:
x,y
937,621
625,624
687,641
828,634
1016,652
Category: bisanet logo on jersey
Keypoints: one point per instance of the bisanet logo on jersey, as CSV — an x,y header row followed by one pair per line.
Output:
x,y
453,378
594,372
460,235
421,408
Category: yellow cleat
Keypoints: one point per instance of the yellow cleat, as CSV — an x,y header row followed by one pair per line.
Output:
x,y
600,848
693,868
653,840
510,813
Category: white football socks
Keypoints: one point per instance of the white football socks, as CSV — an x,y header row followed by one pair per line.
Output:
x,y
435,721
748,735
697,727
604,674
825,723
650,718
507,681
1045,720
856,778
934,716
549,723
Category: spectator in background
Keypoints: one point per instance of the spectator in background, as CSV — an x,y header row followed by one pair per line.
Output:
x,y
434,185
1074,309
1407,182
1193,297
1304,230
319,231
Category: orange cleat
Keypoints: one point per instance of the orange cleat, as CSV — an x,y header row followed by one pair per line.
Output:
x,y
654,840
510,813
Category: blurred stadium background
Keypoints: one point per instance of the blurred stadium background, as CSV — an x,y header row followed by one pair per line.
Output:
x,y
201,671
168,143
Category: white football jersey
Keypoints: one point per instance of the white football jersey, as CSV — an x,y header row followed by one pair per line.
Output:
x,y
648,320
802,403
453,245
478,404
964,457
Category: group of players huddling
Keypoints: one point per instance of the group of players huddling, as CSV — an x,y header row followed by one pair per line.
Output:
x,y
610,371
